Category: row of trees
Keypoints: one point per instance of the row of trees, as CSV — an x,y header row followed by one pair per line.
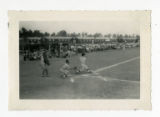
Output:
x,y
23,32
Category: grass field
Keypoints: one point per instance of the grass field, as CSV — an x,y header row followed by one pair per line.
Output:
x,y
118,77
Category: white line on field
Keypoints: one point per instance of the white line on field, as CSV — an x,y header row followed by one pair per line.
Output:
x,y
114,65
91,76
110,78
104,78
104,68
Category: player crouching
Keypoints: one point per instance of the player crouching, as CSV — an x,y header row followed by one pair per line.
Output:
x,y
65,70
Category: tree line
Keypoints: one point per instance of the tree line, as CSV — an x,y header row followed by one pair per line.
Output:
x,y
23,32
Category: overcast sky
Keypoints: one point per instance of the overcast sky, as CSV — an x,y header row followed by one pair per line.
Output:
x,y
127,26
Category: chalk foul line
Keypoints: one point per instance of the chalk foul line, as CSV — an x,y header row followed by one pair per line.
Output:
x,y
97,76
114,65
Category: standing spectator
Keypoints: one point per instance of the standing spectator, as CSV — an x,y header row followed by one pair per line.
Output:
x,y
68,53
25,56
42,63
46,62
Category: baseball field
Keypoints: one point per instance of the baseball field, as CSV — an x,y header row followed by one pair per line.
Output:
x,y
116,76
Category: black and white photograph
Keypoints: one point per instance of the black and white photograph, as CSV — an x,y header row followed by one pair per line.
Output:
x,y
79,58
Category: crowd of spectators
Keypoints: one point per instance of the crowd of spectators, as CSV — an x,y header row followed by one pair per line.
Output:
x,y
70,50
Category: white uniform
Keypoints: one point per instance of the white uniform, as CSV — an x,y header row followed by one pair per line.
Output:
x,y
65,68
83,63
